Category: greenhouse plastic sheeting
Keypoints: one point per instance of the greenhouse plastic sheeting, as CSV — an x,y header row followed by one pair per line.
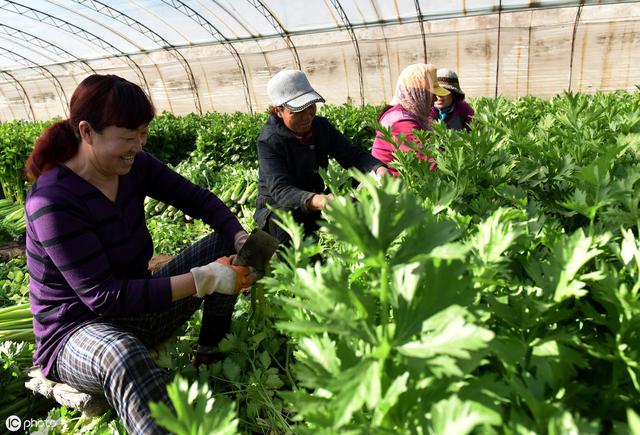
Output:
x,y
199,56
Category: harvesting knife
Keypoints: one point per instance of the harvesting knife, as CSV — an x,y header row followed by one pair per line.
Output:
x,y
257,251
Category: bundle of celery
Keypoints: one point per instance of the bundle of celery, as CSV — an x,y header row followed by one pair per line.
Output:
x,y
16,323
12,217
16,400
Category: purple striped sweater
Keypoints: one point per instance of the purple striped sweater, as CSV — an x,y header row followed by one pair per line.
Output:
x,y
87,255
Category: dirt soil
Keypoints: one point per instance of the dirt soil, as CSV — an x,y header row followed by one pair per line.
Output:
x,y
10,250
157,261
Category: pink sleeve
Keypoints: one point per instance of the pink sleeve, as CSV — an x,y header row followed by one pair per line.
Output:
x,y
434,114
406,126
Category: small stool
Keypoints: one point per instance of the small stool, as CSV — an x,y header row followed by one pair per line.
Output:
x,y
91,405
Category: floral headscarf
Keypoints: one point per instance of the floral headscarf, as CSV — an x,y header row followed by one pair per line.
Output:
x,y
414,89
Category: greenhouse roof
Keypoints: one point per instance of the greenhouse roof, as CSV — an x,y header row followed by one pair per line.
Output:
x,y
195,56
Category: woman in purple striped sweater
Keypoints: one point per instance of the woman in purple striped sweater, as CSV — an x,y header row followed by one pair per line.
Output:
x,y
96,307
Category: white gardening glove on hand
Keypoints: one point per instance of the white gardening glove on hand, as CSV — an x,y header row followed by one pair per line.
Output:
x,y
371,174
222,277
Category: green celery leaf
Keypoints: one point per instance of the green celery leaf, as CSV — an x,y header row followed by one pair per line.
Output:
x,y
319,352
323,291
419,291
397,387
231,369
448,333
314,409
496,235
634,422
557,275
510,350
197,412
555,363
379,216
354,388
565,423
432,233
629,250
454,416
570,255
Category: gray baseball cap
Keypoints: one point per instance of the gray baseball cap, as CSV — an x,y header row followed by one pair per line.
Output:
x,y
291,89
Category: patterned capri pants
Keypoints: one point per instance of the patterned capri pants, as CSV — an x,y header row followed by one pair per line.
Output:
x,y
111,356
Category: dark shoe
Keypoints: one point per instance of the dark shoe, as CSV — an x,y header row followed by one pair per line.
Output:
x,y
207,358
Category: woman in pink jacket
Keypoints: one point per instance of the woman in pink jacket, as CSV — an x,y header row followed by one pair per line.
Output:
x,y
409,110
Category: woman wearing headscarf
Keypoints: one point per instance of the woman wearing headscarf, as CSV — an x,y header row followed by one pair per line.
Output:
x,y
452,109
408,110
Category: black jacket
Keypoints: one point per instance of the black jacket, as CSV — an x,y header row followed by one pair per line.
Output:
x,y
288,174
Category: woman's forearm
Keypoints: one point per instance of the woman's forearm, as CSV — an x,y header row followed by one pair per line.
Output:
x,y
182,286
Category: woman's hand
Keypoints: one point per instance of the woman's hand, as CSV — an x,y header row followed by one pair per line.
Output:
x,y
377,174
319,201
381,171
222,277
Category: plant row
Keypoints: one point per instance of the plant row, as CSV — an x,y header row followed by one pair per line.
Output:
x,y
499,293
220,137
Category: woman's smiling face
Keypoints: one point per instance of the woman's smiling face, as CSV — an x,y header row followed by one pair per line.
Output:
x,y
115,148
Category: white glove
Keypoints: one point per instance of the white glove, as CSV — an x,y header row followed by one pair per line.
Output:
x,y
375,176
222,277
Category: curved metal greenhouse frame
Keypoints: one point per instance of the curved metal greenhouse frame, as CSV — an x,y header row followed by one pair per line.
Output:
x,y
200,56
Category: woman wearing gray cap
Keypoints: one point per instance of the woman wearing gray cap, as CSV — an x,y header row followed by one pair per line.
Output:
x,y
452,108
293,144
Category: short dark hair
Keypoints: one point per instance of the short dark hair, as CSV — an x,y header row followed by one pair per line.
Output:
x,y
273,110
